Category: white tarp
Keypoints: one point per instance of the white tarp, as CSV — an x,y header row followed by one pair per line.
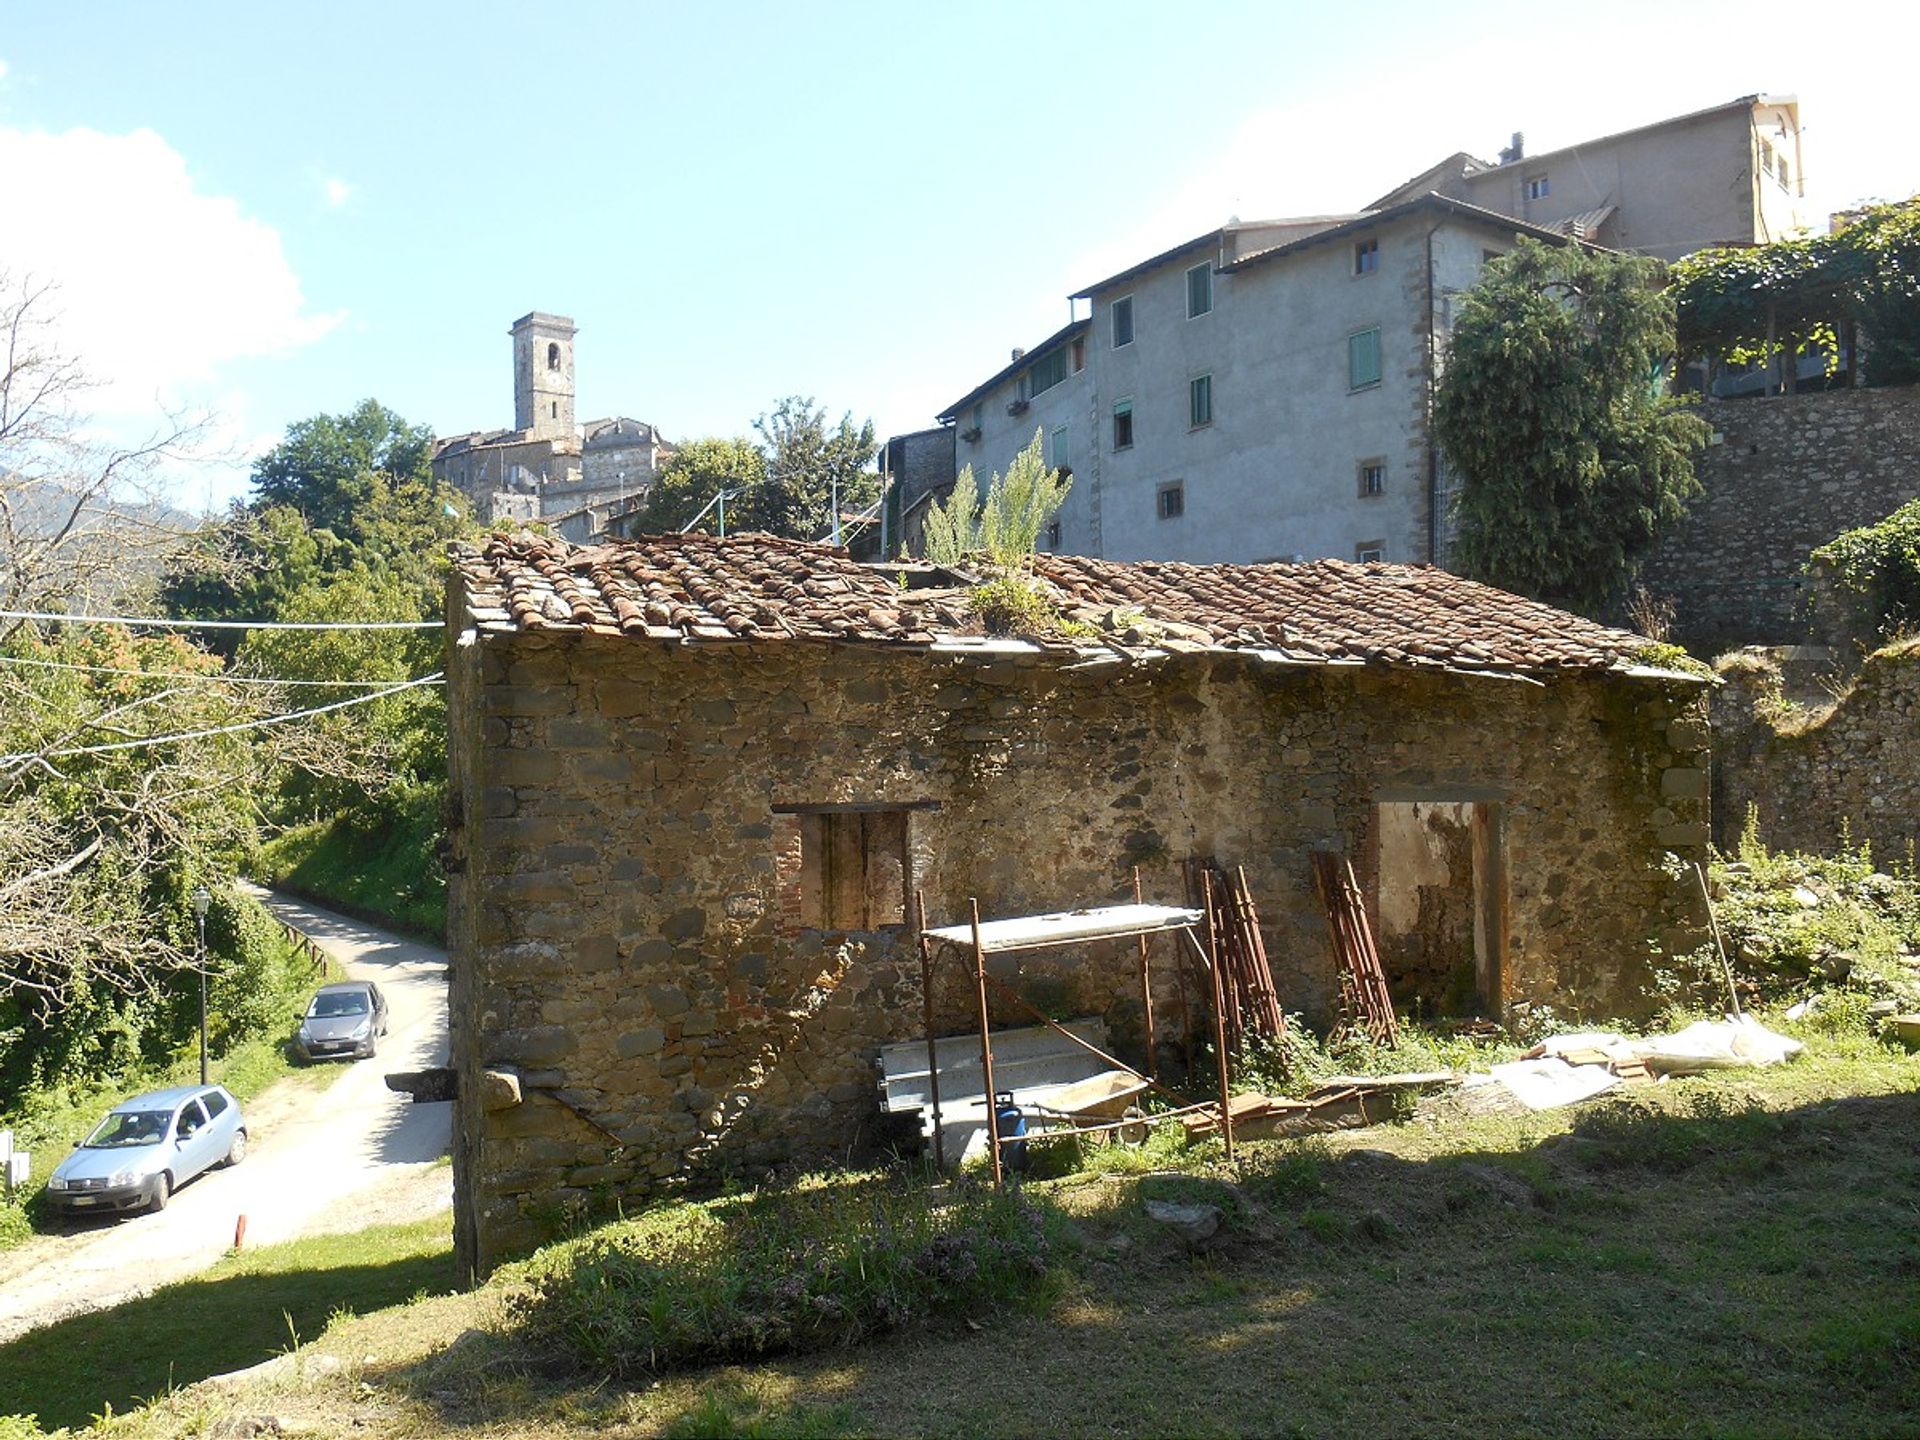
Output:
x,y
1730,1044
1550,1081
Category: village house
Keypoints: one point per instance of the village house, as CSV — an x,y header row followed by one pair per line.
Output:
x,y
1732,174
698,783
1263,391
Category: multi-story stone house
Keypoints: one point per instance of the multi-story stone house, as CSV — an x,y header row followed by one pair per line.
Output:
x,y
1263,391
548,465
1732,174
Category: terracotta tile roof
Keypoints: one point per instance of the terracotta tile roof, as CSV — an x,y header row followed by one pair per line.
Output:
x,y
755,587
1335,610
697,587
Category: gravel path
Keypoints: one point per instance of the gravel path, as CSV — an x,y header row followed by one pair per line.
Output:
x,y
322,1160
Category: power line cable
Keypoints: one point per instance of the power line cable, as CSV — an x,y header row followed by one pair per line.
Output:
x,y
220,677
61,616
235,729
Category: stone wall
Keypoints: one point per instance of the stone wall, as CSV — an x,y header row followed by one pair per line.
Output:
x,y
634,995
1814,775
1787,474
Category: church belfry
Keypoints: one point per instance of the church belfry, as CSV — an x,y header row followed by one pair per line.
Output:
x,y
543,375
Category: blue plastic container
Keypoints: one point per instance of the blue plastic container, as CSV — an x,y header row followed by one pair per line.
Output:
x,y
1012,1123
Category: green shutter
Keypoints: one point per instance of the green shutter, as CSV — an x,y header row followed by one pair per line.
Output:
x,y
1363,359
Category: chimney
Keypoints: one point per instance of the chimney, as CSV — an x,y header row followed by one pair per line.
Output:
x,y
1018,354
1514,151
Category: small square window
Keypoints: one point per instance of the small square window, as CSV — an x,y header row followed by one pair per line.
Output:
x,y
1123,425
1366,257
1370,552
1170,501
852,869
1053,535
1373,478
1537,187
1199,290
1123,321
1363,359
1199,401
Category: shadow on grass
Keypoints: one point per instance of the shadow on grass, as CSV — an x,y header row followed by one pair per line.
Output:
x,y
1681,1262
70,1371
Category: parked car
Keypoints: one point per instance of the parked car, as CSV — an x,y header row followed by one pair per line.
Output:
x,y
147,1148
344,1019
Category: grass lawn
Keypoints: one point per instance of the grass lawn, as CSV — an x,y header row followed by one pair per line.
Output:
x,y
247,1308
1725,1255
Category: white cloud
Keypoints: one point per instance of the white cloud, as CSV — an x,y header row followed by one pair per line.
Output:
x,y
160,285
337,192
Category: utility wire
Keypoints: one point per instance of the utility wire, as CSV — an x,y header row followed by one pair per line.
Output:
x,y
221,677
222,624
261,724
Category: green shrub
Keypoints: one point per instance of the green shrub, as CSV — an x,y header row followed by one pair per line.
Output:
x,y
824,1263
1876,569
1012,605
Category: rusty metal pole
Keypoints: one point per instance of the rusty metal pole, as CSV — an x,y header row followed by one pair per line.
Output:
x,y
1219,1015
933,1055
986,1042
1146,990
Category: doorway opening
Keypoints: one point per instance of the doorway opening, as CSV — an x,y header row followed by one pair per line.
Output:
x,y
1440,903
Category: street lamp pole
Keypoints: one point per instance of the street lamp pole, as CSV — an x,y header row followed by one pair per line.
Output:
x,y
202,898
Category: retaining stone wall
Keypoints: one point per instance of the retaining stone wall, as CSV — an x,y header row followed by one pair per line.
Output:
x,y
628,995
1789,473
1858,768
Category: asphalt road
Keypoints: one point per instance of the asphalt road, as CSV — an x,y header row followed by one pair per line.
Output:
x,y
351,1154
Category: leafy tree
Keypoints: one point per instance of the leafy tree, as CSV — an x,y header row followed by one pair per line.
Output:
x,y
699,470
326,467
1553,410
785,485
808,464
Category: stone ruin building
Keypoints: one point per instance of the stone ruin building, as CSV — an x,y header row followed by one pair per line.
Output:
x,y
698,782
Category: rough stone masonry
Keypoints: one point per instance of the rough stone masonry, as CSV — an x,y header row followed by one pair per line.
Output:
x,y
680,865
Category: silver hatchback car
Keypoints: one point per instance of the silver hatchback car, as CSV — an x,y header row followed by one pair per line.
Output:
x,y
147,1148
345,1018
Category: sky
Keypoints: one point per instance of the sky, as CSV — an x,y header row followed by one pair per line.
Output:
x,y
268,212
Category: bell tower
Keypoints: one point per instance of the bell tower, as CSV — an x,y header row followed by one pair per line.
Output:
x,y
543,376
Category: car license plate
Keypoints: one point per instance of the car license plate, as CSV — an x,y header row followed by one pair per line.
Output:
x,y
84,1199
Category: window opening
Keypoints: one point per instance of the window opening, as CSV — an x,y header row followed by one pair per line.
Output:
x,y
1123,425
1373,477
1123,321
553,357
1171,500
1366,257
853,867
1199,290
1199,401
